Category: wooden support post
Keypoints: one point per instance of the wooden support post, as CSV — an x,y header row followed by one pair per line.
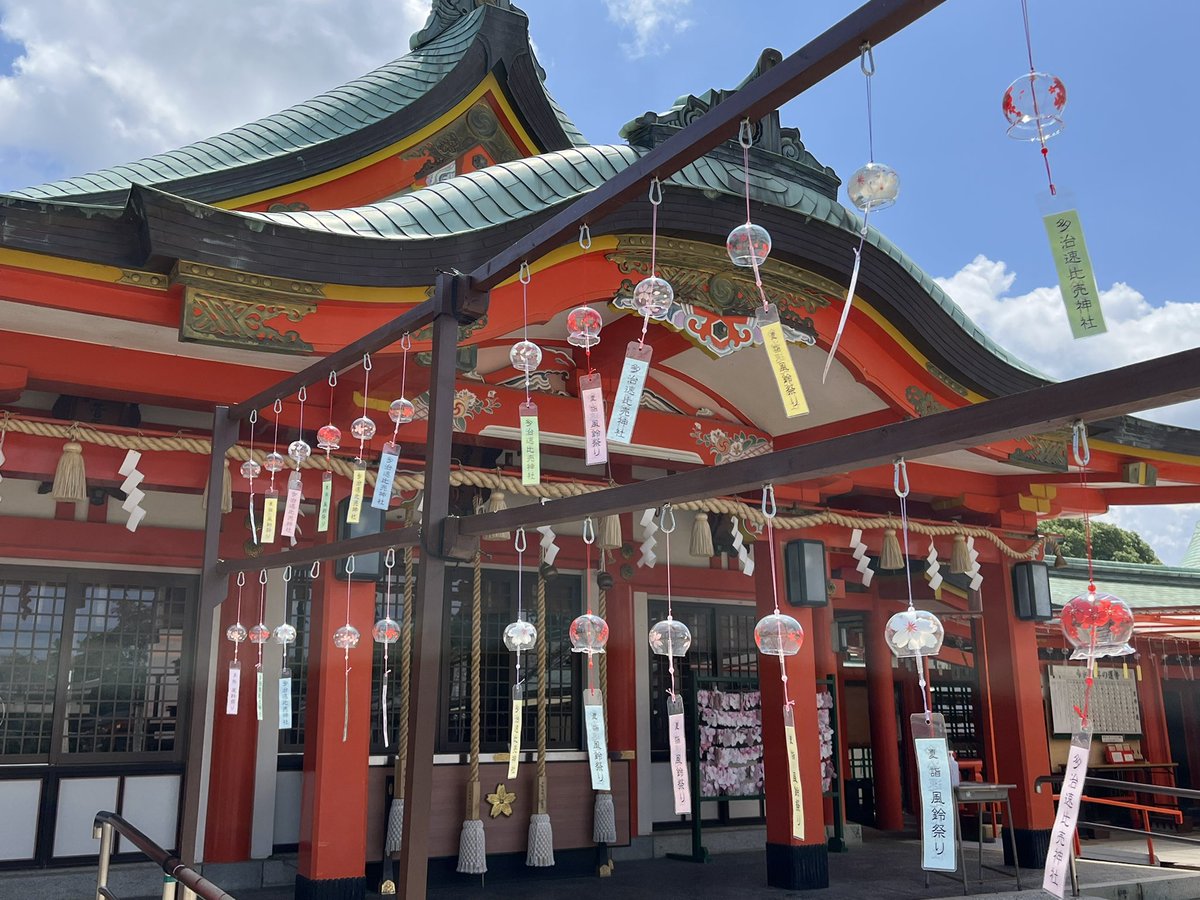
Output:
x,y
885,740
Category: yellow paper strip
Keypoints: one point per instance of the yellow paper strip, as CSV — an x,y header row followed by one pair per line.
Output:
x,y
514,740
793,754
270,506
356,495
786,379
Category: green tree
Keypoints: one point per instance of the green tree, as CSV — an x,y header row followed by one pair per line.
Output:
x,y
1108,541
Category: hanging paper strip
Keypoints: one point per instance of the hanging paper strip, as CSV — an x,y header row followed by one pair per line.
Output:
x,y
745,560
629,393
514,739
270,507
793,756
780,357
595,444
291,509
326,501
531,449
285,699
649,540
359,482
134,495
235,688
679,765
1055,879
597,741
938,820
1076,280
386,475
258,679
860,554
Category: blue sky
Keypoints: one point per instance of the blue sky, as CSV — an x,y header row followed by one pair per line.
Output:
x,y
112,80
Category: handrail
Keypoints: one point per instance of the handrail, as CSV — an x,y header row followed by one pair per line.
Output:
x,y
1128,786
194,884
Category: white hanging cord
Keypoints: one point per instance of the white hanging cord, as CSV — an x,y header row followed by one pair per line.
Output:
x,y
667,517
241,583
302,396
366,364
520,545
769,511
525,277
389,562
746,141
901,486
655,203
262,610
405,345
277,408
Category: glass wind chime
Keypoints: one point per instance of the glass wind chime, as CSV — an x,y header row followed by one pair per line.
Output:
x,y
362,428
1095,625
274,463
874,186
748,246
329,438
589,634
298,452
525,356
401,412
583,330
778,634
386,632
259,635
237,634
250,470
346,639
519,637
671,638
652,298
285,635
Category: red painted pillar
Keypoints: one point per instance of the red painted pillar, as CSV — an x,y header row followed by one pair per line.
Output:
x,y
885,739
230,814
1156,743
826,663
333,812
621,660
1018,714
791,864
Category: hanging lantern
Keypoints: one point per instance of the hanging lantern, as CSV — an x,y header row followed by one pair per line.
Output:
x,y
284,634
670,637
914,632
589,634
274,462
386,631
652,297
329,437
346,637
525,356
778,634
251,469
401,411
236,633
299,451
583,327
1033,106
874,186
748,245
520,636
260,634
1097,625
362,428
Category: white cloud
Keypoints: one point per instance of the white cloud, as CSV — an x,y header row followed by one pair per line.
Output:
x,y
649,20
1168,529
109,81
1033,327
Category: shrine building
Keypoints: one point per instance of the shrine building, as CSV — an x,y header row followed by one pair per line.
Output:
x,y
136,298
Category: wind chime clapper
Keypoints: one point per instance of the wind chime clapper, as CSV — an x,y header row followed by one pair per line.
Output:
x,y
519,637
671,638
778,634
912,633
525,356
873,187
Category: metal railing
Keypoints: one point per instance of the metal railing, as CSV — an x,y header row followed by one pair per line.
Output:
x,y
175,871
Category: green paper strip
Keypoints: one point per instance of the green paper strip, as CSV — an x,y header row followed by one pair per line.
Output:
x,y
1076,280
326,502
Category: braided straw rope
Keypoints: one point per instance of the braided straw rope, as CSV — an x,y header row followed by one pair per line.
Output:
x,y
406,628
602,611
542,675
494,480
476,664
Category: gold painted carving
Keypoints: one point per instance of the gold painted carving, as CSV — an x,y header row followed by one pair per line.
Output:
x,y
210,318
501,801
244,285
153,280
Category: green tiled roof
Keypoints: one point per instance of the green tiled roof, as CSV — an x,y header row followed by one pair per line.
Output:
x,y
1141,585
336,113
1191,559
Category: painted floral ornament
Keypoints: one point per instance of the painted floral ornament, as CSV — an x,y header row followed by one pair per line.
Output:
x,y
251,469
653,296
274,462
362,428
299,451
346,637
670,637
525,356
583,327
1033,106
236,632
386,631
329,437
284,634
589,634
914,632
748,245
260,634
519,636
1097,625
874,186
778,635
401,411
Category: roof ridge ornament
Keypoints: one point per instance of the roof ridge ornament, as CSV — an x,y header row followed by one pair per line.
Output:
x,y
445,13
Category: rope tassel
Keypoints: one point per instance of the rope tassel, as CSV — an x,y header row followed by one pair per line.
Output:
x,y
702,540
70,477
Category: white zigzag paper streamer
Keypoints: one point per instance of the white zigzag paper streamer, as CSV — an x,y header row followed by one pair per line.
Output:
x,y
134,495
860,553
549,548
649,541
743,554
935,568
976,577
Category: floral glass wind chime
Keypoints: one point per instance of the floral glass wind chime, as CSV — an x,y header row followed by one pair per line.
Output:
x,y
778,634
346,639
671,638
1033,107
583,330
748,246
873,187
1096,625
519,637
589,634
